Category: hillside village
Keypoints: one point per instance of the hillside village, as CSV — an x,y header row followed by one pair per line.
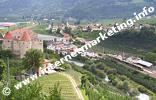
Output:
x,y
19,41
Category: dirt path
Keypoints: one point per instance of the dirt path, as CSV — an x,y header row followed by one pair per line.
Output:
x,y
75,86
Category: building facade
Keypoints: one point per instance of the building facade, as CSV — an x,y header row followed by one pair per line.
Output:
x,y
20,41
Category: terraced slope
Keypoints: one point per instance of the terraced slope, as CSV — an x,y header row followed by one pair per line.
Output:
x,y
68,91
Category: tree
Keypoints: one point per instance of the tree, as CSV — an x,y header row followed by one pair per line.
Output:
x,y
16,67
125,87
66,66
89,29
147,32
94,95
5,54
142,89
2,69
58,31
133,92
93,68
55,93
100,73
30,92
100,65
33,59
154,50
87,66
150,57
51,55
84,80
112,71
67,30
111,77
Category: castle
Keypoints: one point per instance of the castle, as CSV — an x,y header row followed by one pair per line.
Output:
x,y
20,41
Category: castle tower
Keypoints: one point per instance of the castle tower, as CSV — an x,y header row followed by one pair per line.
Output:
x,y
8,41
25,44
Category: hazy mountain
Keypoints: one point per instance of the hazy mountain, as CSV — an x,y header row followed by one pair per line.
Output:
x,y
72,8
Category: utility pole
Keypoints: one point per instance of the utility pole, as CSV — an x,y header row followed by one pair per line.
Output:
x,y
6,90
8,73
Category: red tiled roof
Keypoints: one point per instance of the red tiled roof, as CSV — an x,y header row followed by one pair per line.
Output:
x,y
66,35
26,37
8,36
21,34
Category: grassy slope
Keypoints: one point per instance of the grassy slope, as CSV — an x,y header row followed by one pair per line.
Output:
x,y
128,46
41,29
151,21
133,45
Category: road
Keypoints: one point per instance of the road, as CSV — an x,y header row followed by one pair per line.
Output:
x,y
48,37
77,63
76,88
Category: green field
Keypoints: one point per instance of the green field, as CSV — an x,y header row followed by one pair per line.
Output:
x,y
151,21
40,29
67,92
